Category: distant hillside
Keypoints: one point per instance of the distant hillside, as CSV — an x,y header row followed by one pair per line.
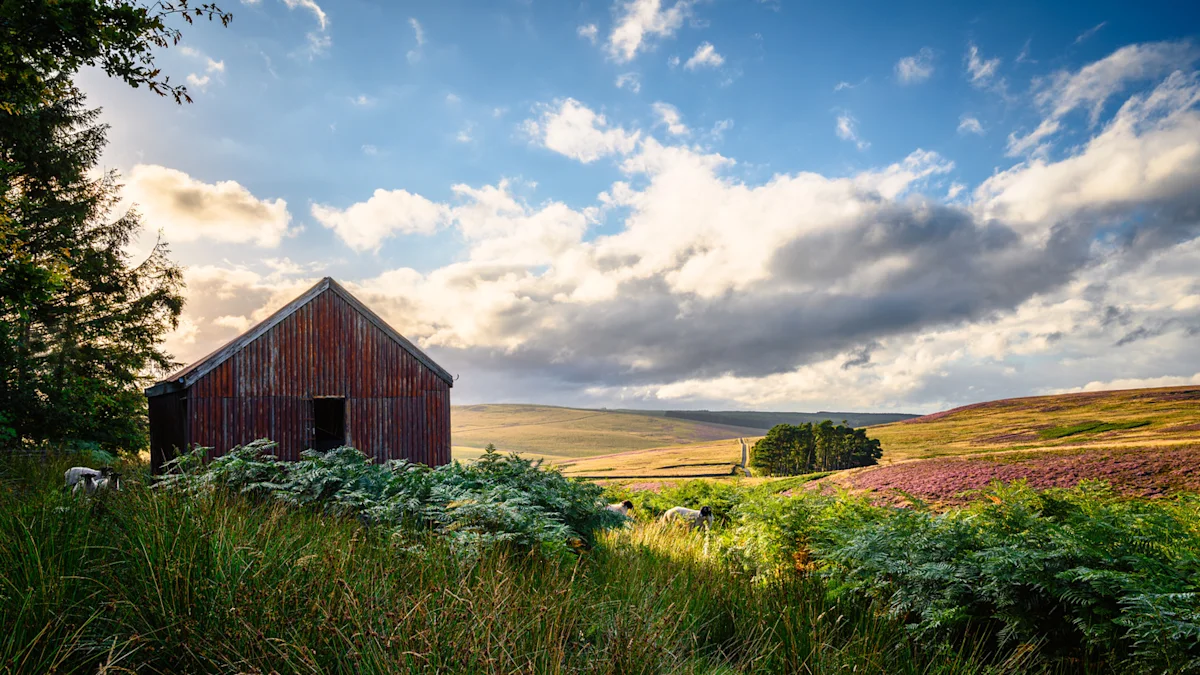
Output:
x,y
766,420
1142,440
573,432
1162,416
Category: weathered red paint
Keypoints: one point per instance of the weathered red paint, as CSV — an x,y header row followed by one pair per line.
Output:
x,y
397,399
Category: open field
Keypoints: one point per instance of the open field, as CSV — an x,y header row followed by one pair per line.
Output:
x,y
463,453
717,458
572,432
1153,417
1134,470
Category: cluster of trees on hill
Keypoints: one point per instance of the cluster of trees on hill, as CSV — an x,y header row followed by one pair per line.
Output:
x,y
790,450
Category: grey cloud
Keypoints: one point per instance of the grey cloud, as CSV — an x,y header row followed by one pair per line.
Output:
x,y
1142,333
1115,315
1155,329
861,356
961,270
201,202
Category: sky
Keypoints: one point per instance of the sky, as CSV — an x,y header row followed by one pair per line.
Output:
x,y
677,204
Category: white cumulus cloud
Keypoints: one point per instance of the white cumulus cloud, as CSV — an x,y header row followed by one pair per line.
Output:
x,y
365,225
706,56
668,116
570,128
639,20
1093,85
187,210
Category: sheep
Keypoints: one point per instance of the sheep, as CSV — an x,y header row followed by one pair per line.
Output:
x,y
90,480
74,475
693,518
622,508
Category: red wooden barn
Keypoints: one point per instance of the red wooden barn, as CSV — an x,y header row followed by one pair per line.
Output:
x,y
322,372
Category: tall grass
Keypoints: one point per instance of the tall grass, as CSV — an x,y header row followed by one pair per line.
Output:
x,y
209,581
1085,575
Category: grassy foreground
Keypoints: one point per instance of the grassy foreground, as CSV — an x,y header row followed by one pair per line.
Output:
x,y
336,564
171,582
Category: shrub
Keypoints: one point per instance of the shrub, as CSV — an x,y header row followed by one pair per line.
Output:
x,y
498,499
722,496
1072,570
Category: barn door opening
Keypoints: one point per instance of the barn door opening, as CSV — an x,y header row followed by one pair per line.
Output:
x,y
329,423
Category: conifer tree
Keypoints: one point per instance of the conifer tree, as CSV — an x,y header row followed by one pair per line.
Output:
x,y
81,323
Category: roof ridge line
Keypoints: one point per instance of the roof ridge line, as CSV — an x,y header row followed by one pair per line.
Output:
x,y
198,369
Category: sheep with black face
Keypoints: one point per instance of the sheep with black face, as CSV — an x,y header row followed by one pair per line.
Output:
x,y
692,517
622,508
88,480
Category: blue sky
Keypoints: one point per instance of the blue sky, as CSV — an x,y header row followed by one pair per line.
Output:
x,y
695,204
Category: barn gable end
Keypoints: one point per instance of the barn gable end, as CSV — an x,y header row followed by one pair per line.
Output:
x,y
283,377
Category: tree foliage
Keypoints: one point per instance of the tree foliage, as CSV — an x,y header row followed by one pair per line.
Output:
x,y
791,450
81,323
41,40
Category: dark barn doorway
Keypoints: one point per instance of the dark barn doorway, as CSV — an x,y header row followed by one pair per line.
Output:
x,y
329,423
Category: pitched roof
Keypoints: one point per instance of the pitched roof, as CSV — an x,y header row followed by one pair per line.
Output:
x,y
186,377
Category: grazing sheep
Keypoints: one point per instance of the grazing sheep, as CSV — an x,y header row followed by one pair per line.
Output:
x,y
74,475
623,508
91,480
693,518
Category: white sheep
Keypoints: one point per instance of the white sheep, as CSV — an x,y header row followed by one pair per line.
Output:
x,y
75,474
622,508
693,518
90,480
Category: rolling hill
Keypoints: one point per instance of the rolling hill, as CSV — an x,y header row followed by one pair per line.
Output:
x,y
1126,418
1145,441
554,432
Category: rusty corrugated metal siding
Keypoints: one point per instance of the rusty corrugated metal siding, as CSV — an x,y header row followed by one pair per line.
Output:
x,y
396,406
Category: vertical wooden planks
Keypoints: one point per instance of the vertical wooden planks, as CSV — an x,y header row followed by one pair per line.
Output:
x,y
396,407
